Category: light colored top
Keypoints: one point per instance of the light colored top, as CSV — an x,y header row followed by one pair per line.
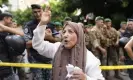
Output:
x,y
47,49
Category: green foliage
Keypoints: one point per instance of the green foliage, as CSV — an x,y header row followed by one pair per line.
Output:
x,y
125,3
58,13
3,1
72,5
22,16
117,18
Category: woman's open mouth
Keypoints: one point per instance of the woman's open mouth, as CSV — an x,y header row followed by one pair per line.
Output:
x,y
65,41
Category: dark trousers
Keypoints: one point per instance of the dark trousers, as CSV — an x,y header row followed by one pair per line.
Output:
x,y
39,74
4,76
112,56
130,71
102,58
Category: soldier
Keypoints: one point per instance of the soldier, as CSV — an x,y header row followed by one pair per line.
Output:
x,y
67,19
96,30
99,48
112,46
59,28
88,27
90,38
123,26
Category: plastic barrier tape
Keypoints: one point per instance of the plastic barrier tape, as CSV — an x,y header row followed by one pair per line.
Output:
x,y
49,66
116,67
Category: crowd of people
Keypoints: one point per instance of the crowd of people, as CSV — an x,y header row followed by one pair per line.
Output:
x,y
86,47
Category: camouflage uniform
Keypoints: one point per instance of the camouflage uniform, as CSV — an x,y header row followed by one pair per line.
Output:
x,y
112,37
100,41
112,49
90,40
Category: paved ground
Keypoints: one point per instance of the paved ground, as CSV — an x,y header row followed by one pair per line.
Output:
x,y
125,77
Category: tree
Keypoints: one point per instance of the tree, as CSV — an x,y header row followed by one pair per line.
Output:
x,y
100,7
22,16
58,13
3,1
117,10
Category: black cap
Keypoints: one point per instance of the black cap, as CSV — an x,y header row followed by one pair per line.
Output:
x,y
6,14
36,6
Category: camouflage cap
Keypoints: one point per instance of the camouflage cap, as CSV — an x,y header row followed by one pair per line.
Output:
x,y
68,19
89,25
99,18
123,22
107,20
58,24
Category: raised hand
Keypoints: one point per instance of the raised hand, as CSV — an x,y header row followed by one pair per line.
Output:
x,y
46,16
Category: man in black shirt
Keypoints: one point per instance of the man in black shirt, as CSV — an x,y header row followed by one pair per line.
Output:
x,y
5,20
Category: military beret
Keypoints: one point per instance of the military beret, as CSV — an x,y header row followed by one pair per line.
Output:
x,y
107,20
99,18
58,24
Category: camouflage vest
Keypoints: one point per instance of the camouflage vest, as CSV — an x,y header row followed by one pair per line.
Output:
x,y
112,36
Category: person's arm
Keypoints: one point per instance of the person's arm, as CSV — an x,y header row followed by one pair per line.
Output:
x,y
91,39
47,38
10,30
103,50
97,46
51,39
118,37
93,71
44,48
27,35
128,47
29,44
